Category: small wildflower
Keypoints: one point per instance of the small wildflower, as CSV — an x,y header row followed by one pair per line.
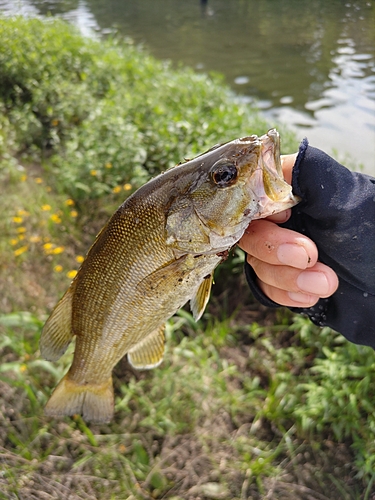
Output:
x,y
23,368
17,219
127,186
46,208
71,274
55,122
57,250
47,246
69,202
58,268
80,258
14,241
21,237
108,165
38,180
116,189
21,229
23,177
122,448
93,173
20,250
55,218
74,213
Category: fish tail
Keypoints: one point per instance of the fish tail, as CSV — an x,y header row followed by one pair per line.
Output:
x,y
95,402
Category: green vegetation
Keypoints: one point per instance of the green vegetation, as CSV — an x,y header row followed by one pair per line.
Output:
x,y
248,404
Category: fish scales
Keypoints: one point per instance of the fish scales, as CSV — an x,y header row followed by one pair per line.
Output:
x,y
158,251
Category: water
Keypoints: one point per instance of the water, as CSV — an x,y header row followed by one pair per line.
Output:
x,y
308,63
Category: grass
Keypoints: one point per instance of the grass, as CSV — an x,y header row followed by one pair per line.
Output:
x,y
223,417
248,403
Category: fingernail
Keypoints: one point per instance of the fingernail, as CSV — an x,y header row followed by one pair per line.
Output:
x,y
293,255
313,282
302,298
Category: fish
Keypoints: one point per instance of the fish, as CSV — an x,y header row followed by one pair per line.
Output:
x,y
157,252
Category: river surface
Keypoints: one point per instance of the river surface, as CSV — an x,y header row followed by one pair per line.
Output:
x,y
307,63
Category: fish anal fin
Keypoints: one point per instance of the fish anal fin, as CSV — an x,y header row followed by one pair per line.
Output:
x,y
57,332
199,301
95,402
149,352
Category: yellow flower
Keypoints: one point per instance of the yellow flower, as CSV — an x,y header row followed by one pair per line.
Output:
x,y
116,189
21,229
20,250
17,219
14,241
108,165
38,180
23,368
93,172
69,202
57,250
47,246
23,178
127,186
46,208
74,213
58,268
55,218
71,274
80,258
21,237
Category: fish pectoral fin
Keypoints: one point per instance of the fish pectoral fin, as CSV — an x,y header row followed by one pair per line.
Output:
x,y
95,402
57,332
149,352
164,277
199,301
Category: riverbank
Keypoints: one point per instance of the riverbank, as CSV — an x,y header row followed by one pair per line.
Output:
x,y
248,403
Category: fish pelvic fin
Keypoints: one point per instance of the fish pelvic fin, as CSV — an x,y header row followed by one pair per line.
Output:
x,y
57,332
199,301
149,352
95,402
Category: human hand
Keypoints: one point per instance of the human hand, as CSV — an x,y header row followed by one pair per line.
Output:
x,y
286,262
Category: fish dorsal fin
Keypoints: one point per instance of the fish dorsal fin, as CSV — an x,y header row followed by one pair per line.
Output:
x,y
148,353
199,301
57,332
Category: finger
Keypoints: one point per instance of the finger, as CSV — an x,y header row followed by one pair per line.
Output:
x,y
320,280
283,297
275,245
280,217
287,164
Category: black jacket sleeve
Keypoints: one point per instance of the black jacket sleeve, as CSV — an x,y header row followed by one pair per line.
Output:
x,y
337,212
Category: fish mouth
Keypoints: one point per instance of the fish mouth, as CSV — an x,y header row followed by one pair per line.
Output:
x,y
274,193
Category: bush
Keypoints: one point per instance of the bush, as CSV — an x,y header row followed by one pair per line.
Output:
x,y
104,113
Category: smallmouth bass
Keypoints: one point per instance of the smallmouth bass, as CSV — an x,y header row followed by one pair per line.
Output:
x,y
157,251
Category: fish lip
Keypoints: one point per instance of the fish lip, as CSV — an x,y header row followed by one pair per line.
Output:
x,y
271,152
273,192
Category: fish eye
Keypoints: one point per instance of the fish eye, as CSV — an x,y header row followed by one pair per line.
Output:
x,y
224,173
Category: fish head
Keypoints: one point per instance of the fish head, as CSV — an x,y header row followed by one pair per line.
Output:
x,y
230,186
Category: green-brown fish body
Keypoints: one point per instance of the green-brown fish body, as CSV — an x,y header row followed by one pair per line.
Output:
x,y
157,252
